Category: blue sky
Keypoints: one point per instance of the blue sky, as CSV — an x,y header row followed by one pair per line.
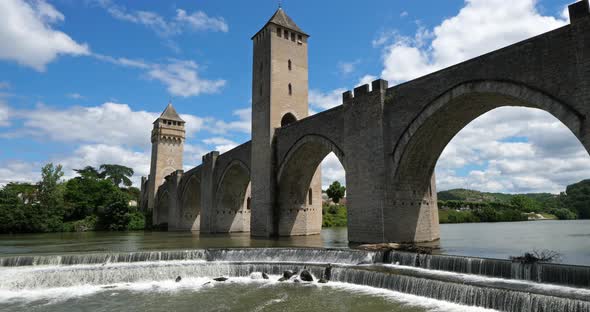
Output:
x,y
81,81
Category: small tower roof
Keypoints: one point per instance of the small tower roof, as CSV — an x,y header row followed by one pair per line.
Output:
x,y
171,114
281,18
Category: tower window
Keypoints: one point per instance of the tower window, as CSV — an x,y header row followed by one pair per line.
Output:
x,y
299,39
279,31
293,36
289,64
290,89
286,34
310,197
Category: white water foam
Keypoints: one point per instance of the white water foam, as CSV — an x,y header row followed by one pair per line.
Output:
x,y
61,294
481,278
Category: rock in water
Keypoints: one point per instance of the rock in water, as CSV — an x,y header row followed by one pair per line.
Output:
x,y
296,280
178,279
282,279
287,274
306,276
322,281
264,275
220,279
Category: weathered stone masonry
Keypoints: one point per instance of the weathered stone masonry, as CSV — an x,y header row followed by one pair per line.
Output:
x,y
387,138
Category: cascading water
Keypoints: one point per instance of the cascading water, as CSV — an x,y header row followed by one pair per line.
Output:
x,y
571,275
419,275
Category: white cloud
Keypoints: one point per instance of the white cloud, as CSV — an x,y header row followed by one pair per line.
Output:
x,y
75,96
479,27
200,21
323,101
98,154
19,171
347,67
182,78
513,150
85,155
197,21
4,115
243,124
403,14
332,170
27,35
221,144
109,123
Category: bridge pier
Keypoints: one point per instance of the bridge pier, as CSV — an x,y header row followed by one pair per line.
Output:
x,y
208,192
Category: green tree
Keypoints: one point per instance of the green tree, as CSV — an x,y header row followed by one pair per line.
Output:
x,y
51,196
115,216
577,198
85,195
117,174
336,191
524,203
564,214
89,172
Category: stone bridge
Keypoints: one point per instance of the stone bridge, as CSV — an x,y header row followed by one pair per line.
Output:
x,y
388,140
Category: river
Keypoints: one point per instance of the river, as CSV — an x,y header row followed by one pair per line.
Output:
x,y
492,240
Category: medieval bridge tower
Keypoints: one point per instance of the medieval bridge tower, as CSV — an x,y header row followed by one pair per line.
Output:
x,y
279,98
168,135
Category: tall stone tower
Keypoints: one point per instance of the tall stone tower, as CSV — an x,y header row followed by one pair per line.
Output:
x,y
279,97
168,137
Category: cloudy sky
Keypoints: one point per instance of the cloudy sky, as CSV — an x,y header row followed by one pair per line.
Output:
x,y
82,81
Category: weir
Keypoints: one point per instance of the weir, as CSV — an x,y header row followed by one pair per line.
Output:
x,y
487,283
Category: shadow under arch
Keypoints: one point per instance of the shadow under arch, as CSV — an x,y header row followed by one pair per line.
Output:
x,y
162,205
190,205
299,200
232,195
412,193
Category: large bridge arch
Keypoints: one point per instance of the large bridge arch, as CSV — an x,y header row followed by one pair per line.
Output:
x,y
232,197
299,203
412,193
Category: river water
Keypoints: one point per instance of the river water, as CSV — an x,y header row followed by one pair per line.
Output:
x,y
100,283
491,240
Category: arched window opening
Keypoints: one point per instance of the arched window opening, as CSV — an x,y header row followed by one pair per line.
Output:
x,y
287,119
310,197
290,89
289,64
248,203
279,31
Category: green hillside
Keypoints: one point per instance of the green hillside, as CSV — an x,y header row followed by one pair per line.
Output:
x,y
466,195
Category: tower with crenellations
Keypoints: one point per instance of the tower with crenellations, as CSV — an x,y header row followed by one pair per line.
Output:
x,y
168,135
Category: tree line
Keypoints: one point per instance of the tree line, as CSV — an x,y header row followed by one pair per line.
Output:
x,y
574,203
97,199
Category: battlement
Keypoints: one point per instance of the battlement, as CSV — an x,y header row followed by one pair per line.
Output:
x,y
578,10
378,85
